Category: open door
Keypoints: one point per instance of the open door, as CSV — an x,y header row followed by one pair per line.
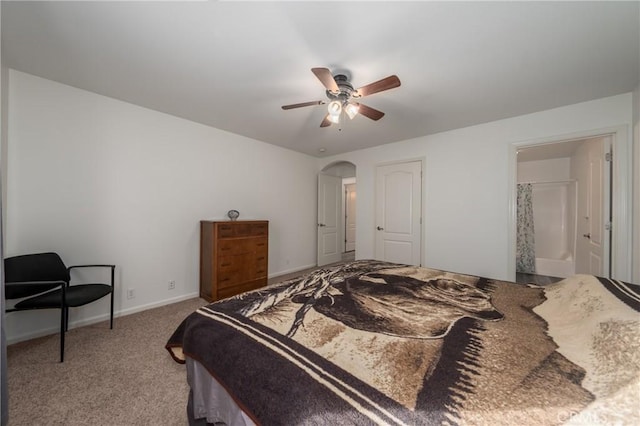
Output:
x,y
329,224
594,229
350,217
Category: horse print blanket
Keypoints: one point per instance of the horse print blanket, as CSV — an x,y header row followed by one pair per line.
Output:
x,y
371,342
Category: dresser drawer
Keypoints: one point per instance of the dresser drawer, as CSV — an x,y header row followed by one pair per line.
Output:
x,y
230,230
261,259
225,230
259,267
241,268
230,270
230,278
232,246
240,229
229,247
230,263
259,245
259,229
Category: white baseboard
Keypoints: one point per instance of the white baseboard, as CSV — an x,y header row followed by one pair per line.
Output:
x,y
100,318
290,271
141,308
32,335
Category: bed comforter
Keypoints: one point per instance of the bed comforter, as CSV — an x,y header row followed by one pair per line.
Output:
x,y
372,342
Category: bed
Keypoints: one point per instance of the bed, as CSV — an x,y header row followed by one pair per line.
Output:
x,y
371,342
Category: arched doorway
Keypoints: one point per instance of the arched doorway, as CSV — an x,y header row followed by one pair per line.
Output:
x,y
336,213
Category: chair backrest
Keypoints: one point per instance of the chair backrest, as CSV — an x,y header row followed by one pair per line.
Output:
x,y
35,267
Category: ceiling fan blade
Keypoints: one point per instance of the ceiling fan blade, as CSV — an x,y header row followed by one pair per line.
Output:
x,y
369,112
379,86
325,77
326,122
303,104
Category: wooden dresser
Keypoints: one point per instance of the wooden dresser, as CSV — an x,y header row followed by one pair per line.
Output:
x,y
234,257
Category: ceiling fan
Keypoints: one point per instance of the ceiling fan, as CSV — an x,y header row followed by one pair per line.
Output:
x,y
343,97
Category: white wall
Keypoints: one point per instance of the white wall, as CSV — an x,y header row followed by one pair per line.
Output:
x,y
553,206
100,180
4,137
466,190
544,170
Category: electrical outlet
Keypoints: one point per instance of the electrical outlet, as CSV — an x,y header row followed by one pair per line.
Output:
x,y
172,284
131,293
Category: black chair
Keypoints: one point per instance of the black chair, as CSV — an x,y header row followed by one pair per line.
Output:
x,y
44,280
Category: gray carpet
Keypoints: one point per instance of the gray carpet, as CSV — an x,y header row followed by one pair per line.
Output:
x,y
113,377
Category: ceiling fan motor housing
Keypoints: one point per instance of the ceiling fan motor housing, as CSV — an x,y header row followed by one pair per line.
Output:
x,y
346,89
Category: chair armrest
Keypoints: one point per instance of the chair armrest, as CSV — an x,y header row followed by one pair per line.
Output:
x,y
113,267
91,266
21,283
20,289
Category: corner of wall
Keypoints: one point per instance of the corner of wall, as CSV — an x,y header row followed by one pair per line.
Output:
x,y
4,399
636,184
4,138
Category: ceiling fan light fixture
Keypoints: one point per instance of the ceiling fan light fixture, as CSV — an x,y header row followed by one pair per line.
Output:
x,y
351,110
335,119
334,108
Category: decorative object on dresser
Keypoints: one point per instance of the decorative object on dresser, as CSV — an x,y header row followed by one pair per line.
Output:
x,y
233,214
233,257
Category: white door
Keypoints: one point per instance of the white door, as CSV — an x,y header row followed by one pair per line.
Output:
x,y
593,237
350,217
598,236
329,223
398,212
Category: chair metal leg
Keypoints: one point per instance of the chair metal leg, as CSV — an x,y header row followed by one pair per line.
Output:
x,y
111,318
64,319
113,290
63,326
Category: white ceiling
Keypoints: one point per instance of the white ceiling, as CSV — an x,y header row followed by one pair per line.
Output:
x,y
232,64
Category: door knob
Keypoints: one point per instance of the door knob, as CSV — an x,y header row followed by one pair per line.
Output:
x,y
321,225
587,236
380,228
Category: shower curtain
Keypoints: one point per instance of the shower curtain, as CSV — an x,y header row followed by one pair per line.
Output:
x,y
526,249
